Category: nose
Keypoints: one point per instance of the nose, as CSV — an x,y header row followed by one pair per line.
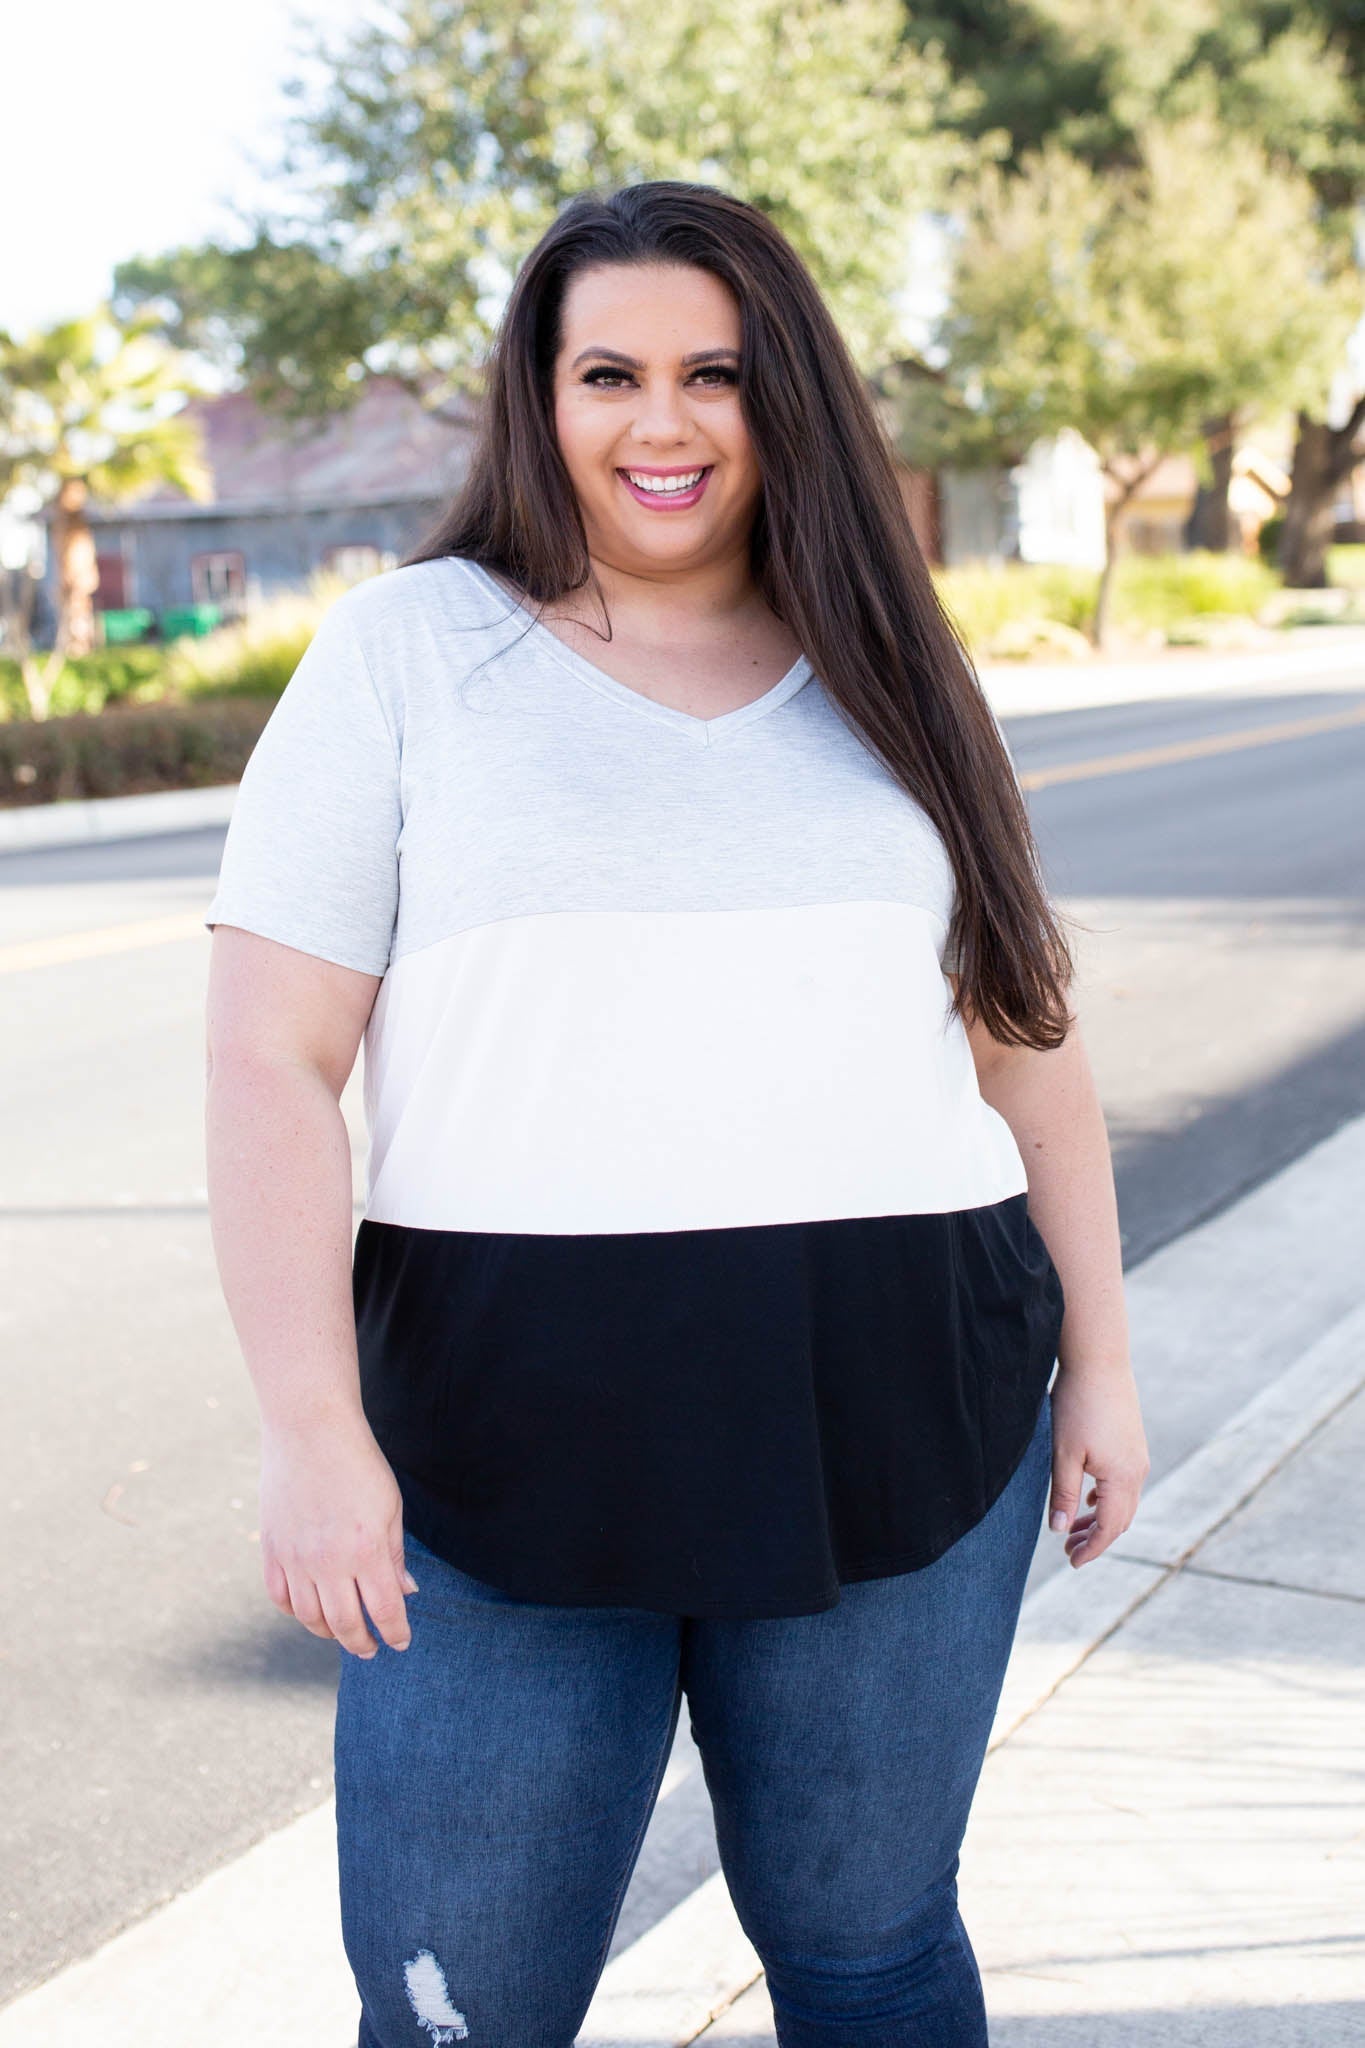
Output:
x,y
661,415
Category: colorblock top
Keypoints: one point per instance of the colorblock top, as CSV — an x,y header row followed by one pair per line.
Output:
x,y
694,1272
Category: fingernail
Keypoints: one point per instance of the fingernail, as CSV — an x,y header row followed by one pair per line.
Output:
x,y
1059,1519
410,1585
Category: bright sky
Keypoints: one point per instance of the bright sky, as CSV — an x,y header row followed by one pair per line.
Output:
x,y
129,127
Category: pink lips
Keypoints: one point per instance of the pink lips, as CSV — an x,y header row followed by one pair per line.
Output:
x,y
669,501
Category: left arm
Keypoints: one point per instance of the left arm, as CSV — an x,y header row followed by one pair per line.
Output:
x,y
1049,1101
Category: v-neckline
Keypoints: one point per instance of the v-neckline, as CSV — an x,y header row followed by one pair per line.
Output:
x,y
706,731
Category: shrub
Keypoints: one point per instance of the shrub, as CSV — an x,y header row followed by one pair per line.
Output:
x,y
996,605
111,675
984,597
1346,565
255,656
129,751
1158,590
1268,539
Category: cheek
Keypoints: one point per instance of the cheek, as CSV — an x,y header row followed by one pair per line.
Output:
x,y
732,438
574,434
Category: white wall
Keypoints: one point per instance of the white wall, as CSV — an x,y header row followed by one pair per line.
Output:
x,y
1060,496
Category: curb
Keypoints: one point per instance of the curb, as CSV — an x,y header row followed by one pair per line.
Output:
x,y
1063,1622
88,820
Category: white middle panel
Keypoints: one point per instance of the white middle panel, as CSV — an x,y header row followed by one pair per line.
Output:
x,y
579,1072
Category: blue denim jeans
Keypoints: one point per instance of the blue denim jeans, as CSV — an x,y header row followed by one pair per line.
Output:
x,y
495,1779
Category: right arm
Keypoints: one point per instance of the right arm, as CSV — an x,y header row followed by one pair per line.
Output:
x,y
283,1031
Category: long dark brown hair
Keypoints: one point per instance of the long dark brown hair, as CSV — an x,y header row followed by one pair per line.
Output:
x,y
831,549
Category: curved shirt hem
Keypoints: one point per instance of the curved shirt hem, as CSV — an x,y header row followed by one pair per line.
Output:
x,y
514,1586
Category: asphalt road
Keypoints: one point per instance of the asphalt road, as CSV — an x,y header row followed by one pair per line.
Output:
x,y
159,1715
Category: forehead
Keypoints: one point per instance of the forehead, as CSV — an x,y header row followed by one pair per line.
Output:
x,y
651,310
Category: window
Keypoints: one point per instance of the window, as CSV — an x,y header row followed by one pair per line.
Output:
x,y
353,560
220,580
112,594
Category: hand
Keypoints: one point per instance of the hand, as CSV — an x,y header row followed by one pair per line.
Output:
x,y
1096,1428
332,1533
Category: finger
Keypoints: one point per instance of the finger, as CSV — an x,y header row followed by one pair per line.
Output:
x,y
400,1563
385,1605
1117,1506
341,1605
306,1606
277,1584
1068,1471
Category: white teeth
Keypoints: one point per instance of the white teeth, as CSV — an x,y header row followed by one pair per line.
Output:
x,y
666,486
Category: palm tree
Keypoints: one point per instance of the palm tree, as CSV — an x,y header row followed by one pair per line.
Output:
x,y
91,409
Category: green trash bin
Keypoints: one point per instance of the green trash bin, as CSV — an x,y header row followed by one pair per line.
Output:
x,y
195,619
125,627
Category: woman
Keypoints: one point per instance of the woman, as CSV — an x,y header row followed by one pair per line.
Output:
x,y
652,829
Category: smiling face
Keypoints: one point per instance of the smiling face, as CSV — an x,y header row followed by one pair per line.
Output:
x,y
648,419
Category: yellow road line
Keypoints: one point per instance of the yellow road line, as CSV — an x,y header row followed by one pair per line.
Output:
x,y
1190,750
110,938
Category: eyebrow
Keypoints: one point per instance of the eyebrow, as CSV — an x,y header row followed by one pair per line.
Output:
x,y
699,355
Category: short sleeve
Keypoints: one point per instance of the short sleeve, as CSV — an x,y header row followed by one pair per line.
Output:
x,y
311,855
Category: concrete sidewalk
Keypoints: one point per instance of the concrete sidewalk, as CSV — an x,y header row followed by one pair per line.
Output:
x,y
1171,1848
1168,1841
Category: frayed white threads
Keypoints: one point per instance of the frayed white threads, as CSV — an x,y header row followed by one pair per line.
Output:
x,y
430,2000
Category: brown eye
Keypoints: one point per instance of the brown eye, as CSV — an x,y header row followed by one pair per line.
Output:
x,y
607,379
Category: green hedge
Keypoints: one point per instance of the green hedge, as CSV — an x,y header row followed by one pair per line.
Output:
x,y
1153,595
128,750
110,675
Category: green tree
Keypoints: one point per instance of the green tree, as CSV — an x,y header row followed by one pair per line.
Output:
x,y
90,408
1133,305
1291,80
445,139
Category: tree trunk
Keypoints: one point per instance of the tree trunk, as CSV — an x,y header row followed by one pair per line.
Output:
x,y
1209,524
1099,623
77,572
1323,458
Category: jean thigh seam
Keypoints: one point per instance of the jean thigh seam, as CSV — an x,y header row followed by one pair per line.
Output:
x,y
628,1862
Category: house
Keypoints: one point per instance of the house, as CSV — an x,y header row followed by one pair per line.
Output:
x,y
1154,519
353,492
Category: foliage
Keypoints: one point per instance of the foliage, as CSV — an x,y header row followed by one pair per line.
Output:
x,y
1154,596
983,597
1268,538
1346,565
88,408
1121,304
254,656
100,400
1092,77
1163,590
89,682
128,751
1287,80
448,135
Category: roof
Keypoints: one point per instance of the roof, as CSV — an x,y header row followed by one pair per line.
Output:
x,y
387,447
